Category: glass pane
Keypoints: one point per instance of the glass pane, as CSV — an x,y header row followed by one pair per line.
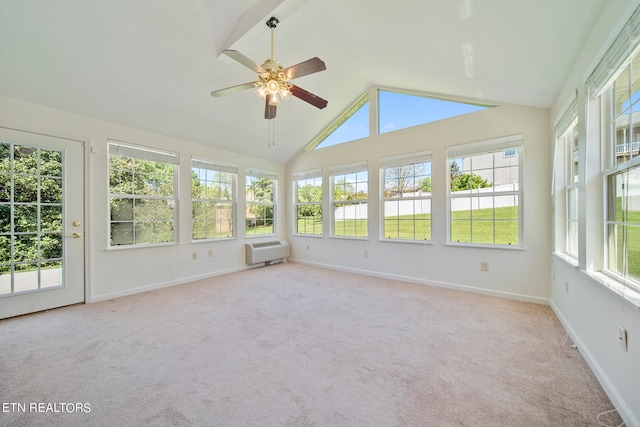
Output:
x,y
25,189
5,157
25,277
25,218
50,218
506,232
25,247
144,232
51,246
616,248
460,230
121,233
482,230
50,163
51,274
633,251
5,187
164,232
121,209
164,210
51,190
25,160
5,249
5,218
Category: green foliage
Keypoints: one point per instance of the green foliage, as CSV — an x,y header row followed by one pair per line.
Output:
x,y
30,207
344,190
260,192
466,181
135,218
426,185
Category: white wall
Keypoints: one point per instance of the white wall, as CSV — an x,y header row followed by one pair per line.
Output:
x,y
118,272
515,273
591,312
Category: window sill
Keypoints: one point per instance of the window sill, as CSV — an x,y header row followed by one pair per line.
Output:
x,y
567,258
140,246
306,235
486,246
413,242
349,238
257,236
631,296
220,239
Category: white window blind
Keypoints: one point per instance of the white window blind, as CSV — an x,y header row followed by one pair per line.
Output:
x,y
349,168
405,159
497,144
567,117
307,174
221,167
620,51
261,174
125,150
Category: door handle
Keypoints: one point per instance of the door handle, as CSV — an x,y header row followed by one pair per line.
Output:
x,y
76,235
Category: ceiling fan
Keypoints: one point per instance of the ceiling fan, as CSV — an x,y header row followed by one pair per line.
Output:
x,y
273,82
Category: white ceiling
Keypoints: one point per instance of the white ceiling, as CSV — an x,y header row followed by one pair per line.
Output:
x,y
151,64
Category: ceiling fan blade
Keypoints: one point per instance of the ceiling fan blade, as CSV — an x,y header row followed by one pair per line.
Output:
x,y
233,89
244,60
309,66
269,110
309,97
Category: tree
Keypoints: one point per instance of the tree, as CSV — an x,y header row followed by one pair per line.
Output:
x,y
399,180
468,181
309,194
261,191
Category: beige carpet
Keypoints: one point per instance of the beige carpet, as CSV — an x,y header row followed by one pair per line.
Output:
x,y
295,345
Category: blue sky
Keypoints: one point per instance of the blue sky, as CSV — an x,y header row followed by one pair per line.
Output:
x,y
397,111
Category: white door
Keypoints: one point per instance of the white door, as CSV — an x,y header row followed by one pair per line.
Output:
x,y
41,222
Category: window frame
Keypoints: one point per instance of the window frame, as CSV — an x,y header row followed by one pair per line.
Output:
x,y
142,153
220,168
344,171
492,146
273,177
612,169
296,179
407,160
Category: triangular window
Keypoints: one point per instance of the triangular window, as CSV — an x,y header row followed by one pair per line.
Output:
x,y
398,110
352,125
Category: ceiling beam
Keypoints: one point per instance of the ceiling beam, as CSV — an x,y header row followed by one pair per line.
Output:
x,y
248,28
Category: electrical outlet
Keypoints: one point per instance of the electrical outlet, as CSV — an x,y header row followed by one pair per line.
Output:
x,y
622,336
194,255
566,287
366,254
210,253
484,266
308,247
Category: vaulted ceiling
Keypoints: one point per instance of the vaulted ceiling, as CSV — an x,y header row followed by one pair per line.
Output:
x,y
151,64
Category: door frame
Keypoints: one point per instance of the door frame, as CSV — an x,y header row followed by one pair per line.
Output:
x,y
87,149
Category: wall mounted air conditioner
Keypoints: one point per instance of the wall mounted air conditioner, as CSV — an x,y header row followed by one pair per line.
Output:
x,y
266,252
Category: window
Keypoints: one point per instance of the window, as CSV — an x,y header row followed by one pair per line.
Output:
x,y
142,196
406,206
623,176
260,202
352,125
308,205
213,189
399,110
485,192
350,195
565,181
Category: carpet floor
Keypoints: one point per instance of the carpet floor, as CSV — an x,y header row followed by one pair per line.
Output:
x,y
295,345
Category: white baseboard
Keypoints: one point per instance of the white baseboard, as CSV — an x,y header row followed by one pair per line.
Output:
x,y
612,392
455,286
118,294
